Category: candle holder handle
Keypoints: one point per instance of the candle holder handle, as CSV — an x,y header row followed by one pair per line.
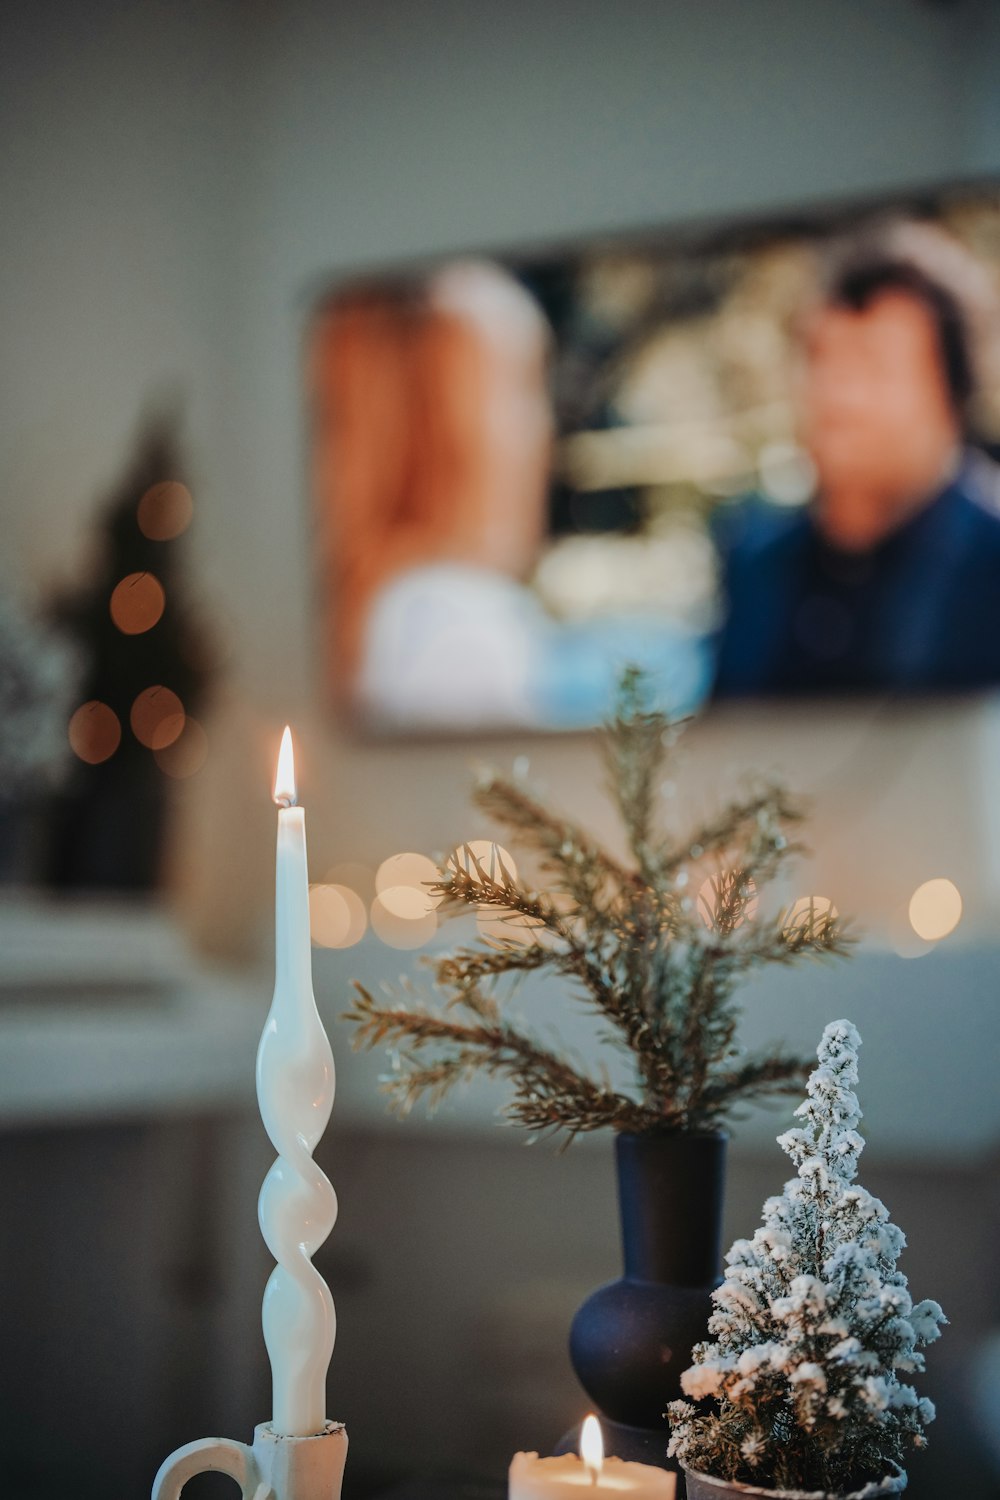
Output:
x,y
273,1468
206,1455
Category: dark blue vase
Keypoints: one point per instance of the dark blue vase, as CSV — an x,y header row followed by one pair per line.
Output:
x,y
631,1339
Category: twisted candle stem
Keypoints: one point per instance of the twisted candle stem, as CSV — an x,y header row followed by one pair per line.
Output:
x,y
297,1207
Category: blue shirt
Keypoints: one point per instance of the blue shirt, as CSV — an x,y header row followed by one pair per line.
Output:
x,y
920,612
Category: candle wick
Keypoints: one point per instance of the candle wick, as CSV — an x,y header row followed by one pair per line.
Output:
x,y
285,799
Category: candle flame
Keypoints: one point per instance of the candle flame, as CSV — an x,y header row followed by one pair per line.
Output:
x,y
592,1445
284,780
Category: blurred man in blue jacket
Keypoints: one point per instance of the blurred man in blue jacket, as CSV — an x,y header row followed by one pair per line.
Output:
x,y
890,579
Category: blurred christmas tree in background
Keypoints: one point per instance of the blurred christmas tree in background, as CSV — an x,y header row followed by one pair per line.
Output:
x,y
145,672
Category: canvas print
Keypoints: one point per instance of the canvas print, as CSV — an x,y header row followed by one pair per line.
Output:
x,y
756,460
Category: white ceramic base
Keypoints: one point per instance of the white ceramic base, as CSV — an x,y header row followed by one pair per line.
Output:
x,y
273,1468
707,1487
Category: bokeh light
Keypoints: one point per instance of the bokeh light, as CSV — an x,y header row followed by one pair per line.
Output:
x,y
935,909
157,717
95,732
714,891
137,603
405,901
188,753
337,916
904,941
402,880
398,931
492,858
165,510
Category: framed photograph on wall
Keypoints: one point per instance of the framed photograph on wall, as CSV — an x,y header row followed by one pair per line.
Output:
x,y
754,458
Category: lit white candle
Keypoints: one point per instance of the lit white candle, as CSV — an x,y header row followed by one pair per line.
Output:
x,y
574,1478
295,1088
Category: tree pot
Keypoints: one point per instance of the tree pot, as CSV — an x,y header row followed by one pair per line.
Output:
x,y
706,1487
631,1339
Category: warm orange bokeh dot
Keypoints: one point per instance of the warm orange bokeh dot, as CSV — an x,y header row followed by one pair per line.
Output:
x,y
187,754
398,931
402,881
137,603
165,510
935,909
337,916
94,732
157,718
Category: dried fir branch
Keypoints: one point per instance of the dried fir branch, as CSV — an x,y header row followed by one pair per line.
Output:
x,y
466,883
757,1078
636,745
469,966
548,1091
761,821
564,848
659,965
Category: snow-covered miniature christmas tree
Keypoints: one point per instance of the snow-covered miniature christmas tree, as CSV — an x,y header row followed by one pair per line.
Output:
x,y
813,1322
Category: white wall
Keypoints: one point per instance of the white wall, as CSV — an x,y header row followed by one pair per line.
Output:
x,y
982,97
116,237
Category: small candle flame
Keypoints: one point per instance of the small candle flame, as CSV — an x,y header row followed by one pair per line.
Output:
x,y
284,780
592,1446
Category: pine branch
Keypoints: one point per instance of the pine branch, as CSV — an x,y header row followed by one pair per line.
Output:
x,y
755,1079
635,750
466,882
785,942
549,1092
469,966
565,849
761,819
642,944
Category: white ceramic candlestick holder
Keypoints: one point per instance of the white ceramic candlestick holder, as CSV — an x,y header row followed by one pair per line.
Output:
x,y
299,1454
272,1468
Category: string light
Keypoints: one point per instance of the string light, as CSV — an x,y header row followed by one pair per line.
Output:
x,y
187,754
157,717
398,931
402,882
935,909
165,511
137,603
94,732
337,916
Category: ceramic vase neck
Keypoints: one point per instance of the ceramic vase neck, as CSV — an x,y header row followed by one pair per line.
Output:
x,y
670,1193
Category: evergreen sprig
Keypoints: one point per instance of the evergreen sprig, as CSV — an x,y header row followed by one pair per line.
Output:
x,y
634,940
